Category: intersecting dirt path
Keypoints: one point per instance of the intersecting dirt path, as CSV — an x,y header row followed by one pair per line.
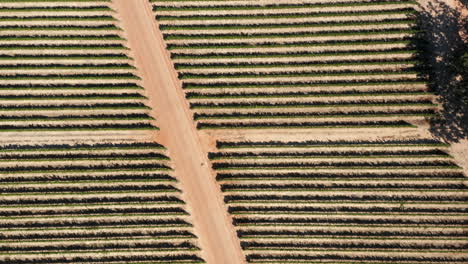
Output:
x,y
213,226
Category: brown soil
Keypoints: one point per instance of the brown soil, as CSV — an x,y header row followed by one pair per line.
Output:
x,y
212,224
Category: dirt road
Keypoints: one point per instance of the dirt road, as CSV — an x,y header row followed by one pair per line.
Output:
x,y
217,237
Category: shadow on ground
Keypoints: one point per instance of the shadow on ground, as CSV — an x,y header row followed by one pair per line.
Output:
x,y
443,50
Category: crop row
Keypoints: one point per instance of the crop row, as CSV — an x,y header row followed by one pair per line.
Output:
x,y
123,176
303,165
308,25
342,62
68,28
6,118
338,185
305,84
70,86
92,234
317,103
391,233
343,258
63,8
91,56
81,146
325,154
58,18
356,197
124,95
296,115
280,54
303,209
350,245
63,199
182,7
280,124
77,106
31,66
174,258
65,127
235,94
404,11
340,175
328,144
57,1
270,36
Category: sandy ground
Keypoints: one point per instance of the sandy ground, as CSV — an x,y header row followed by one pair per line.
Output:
x,y
459,151
212,224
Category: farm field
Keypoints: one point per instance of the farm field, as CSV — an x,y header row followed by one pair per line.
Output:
x,y
233,132
297,64
92,203
64,66
344,201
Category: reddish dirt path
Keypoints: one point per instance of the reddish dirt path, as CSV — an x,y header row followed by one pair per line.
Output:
x,y
218,240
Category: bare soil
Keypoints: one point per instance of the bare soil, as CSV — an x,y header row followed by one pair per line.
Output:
x,y
212,224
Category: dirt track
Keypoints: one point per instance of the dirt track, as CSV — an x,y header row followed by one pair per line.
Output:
x,y
218,240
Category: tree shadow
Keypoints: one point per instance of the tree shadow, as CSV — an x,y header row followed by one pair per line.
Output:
x,y
442,59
